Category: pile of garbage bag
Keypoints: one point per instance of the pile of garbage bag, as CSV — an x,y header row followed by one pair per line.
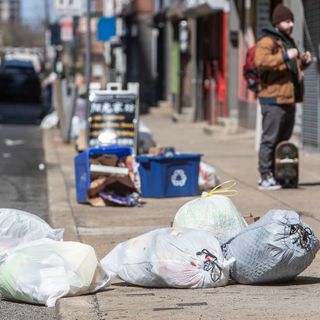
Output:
x,y
208,245
277,247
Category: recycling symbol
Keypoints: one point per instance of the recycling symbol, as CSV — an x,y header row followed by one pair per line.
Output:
x,y
178,178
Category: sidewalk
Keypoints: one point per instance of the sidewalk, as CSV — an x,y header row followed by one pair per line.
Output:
x,y
234,157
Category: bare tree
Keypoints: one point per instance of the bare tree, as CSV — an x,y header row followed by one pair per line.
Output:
x,y
22,35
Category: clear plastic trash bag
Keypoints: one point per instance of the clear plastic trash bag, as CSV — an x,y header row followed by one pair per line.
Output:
x,y
208,177
216,214
170,257
45,270
18,226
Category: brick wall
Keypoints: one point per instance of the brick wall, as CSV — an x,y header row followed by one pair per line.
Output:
x,y
143,6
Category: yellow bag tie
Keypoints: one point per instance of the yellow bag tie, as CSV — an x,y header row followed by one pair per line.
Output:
x,y
224,189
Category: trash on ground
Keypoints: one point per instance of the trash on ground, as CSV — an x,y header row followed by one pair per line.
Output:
x,y
211,212
45,270
208,177
130,200
18,226
250,218
50,121
146,140
41,166
12,143
277,247
170,257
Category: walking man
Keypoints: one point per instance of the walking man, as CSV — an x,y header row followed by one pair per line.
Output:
x,y
281,85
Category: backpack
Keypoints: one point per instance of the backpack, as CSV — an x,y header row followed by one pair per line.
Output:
x,y
250,71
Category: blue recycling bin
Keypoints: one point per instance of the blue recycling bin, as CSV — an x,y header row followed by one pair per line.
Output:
x,y
82,166
175,176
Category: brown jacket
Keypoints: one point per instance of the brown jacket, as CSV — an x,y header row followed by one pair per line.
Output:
x,y
277,85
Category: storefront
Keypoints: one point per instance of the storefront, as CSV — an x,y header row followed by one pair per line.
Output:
x,y
209,58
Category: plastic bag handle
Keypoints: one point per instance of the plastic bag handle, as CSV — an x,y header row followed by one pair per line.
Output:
x,y
224,189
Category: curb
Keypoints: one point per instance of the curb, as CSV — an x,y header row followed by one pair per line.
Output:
x,y
60,215
59,209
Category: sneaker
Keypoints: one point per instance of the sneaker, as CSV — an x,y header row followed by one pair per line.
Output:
x,y
268,182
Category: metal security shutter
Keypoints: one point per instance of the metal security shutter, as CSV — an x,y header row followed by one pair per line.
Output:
x,y
311,106
262,15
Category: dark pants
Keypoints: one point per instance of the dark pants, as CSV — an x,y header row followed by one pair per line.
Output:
x,y
277,126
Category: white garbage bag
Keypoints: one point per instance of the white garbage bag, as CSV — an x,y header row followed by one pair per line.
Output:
x,y
170,257
208,177
215,213
277,247
18,226
45,270
50,121
146,140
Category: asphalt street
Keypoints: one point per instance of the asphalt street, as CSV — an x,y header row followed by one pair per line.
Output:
x,y
23,186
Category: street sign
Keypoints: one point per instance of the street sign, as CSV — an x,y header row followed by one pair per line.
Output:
x,y
113,117
66,29
106,28
69,7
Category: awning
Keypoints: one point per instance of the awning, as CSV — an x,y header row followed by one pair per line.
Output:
x,y
197,8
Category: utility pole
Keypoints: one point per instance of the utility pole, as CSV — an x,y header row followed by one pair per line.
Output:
x,y
46,28
88,62
47,13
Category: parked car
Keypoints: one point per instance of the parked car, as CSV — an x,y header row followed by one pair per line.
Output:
x,y
19,82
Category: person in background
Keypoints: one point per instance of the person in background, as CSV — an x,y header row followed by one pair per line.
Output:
x,y
280,66
48,84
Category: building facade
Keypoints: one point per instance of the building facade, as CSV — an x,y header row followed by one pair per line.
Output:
x,y
191,53
9,11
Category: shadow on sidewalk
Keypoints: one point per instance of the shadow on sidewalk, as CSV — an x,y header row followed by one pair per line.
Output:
x,y
302,280
309,184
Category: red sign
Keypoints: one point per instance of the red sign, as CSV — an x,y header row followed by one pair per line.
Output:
x,y
66,24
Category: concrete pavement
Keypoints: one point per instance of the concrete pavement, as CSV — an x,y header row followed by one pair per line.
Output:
x,y
234,157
